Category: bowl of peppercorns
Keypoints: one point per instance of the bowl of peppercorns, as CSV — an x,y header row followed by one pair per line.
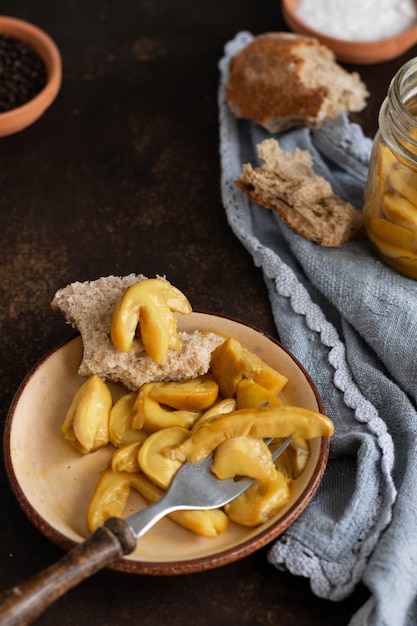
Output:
x,y
30,74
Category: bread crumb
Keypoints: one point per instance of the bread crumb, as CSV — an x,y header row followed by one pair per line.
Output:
x,y
305,201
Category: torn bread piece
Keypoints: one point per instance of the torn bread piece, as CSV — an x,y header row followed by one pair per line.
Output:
x,y
305,201
88,307
282,80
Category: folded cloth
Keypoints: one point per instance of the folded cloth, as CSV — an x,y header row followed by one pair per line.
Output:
x,y
352,322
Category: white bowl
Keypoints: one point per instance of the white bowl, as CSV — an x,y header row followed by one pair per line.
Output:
x,y
359,52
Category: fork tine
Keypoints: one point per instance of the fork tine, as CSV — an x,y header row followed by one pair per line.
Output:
x,y
194,487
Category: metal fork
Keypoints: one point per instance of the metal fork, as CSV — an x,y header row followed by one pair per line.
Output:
x,y
194,487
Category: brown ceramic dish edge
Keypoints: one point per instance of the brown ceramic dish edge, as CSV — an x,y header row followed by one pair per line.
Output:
x,y
187,566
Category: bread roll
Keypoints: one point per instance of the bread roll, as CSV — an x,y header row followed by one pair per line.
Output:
x,y
305,201
88,307
281,80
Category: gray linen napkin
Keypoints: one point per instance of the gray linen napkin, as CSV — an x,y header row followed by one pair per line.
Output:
x,y
352,322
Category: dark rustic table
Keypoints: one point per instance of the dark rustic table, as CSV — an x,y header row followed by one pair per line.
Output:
x,y
122,175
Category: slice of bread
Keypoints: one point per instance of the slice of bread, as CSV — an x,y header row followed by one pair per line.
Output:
x,y
281,80
305,201
88,307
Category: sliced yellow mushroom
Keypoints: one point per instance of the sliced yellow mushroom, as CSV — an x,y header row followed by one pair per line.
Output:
x,y
405,265
294,458
230,362
121,431
400,211
259,503
206,523
112,492
195,394
387,249
151,416
109,498
243,456
251,395
280,422
404,181
153,462
386,163
125,459
151,304
86,424
394,235
227,405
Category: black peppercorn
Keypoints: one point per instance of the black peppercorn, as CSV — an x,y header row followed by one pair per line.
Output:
x,y
22,73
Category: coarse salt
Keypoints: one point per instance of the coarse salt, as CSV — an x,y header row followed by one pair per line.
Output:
x,y
358,20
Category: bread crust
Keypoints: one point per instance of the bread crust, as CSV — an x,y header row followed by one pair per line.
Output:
x,y
286,183
88,307
281,80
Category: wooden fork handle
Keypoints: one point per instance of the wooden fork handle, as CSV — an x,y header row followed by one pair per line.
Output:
x,y
25,602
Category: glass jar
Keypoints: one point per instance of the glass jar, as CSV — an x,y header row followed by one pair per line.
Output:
x,y
390,208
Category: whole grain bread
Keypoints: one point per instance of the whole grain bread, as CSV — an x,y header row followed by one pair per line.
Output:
x,y
88,307
287,183
281,80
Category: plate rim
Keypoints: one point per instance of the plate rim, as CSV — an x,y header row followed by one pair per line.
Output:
x,y
186,566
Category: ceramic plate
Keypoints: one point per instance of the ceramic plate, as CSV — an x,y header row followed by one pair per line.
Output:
x,y
53,483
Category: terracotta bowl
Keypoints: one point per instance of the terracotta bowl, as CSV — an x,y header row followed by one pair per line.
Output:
x,y
54,484
357,52
23,116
